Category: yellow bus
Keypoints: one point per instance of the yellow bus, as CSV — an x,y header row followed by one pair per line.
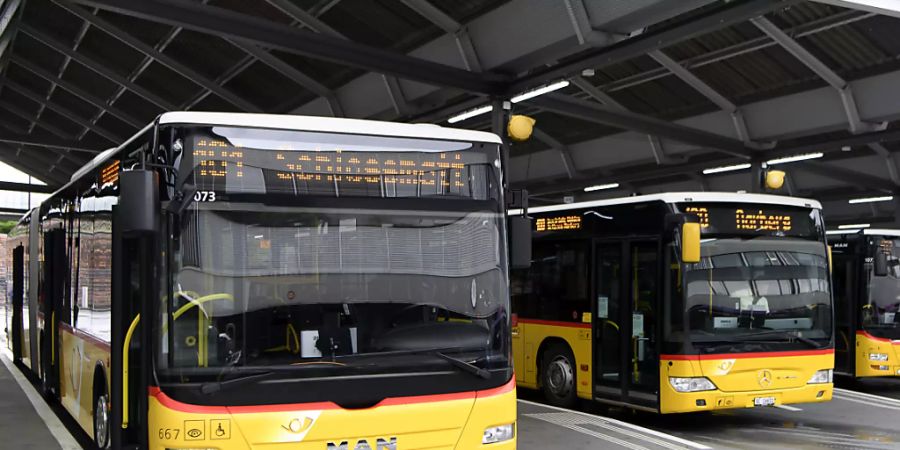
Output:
x,y
231,281
676,302
867,302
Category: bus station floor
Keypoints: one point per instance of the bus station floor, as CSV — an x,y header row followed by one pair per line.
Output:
x,y
26,422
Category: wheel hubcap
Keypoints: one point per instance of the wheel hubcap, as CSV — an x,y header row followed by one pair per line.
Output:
x,y
560,377
101,419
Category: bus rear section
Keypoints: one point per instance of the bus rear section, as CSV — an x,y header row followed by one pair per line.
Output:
x,y
613,311
867,311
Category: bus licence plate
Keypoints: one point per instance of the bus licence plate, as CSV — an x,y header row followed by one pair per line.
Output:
x,y
764,401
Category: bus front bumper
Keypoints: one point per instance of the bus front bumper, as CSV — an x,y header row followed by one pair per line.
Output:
x,y
681,402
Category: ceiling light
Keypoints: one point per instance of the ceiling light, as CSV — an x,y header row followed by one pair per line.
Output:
x,y
470,113
600,187
886,198
855,226
795,158
836,232
539,91
726,168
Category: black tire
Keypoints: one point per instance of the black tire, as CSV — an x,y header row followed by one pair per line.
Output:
x,y
101,421
558,376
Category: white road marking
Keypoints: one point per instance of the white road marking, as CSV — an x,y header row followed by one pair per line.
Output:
x,y
788,408
863,395
562,422
867,402
633,427
57,429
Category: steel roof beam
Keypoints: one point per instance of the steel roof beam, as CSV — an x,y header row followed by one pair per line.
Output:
x,y
705,90
227,75
45,142
25,187
752,45
15,109
7,30
450,26
864,6
82,30
59,155
821,70
65,112
848,176
627,120
635,173
398,100
97,67
307,19
160,57
42,165
562,149
81,93
46,172
227,24
656,145
291,73
889,161
724,16
312,22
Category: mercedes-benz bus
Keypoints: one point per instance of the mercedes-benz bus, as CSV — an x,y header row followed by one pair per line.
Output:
x,y
676,302
867,302
235,281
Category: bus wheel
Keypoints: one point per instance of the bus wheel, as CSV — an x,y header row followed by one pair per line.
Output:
x,y
101,422
558,376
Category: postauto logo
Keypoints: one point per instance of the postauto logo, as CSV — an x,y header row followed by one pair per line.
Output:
x,y
364,444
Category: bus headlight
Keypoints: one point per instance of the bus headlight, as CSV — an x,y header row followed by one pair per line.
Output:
x,y
822,376
501,433
878,356
694,384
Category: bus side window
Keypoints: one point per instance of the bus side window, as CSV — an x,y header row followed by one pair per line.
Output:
x,y
559,281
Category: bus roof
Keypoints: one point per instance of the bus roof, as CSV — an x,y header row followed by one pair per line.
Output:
x,y
867,232
301,123
683,197
327,124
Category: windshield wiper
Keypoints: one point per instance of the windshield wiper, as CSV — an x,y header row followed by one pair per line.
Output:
x,y
440,353
789,335
465,366
216,386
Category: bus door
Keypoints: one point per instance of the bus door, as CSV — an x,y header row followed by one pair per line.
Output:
x,y
133,293
18,298
53,302
847,295
626,352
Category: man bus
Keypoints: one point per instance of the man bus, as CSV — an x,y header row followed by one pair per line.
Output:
x,y
867,302
232,281
676,302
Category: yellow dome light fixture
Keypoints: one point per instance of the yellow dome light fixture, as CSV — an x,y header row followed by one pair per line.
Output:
x,y
775,179
520,127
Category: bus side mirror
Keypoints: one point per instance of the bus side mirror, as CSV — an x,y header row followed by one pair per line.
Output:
x,y
519,242
690,242
881,263
139,201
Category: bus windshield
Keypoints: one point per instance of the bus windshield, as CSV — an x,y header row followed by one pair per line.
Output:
x,y
332,254
755,294
879,315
